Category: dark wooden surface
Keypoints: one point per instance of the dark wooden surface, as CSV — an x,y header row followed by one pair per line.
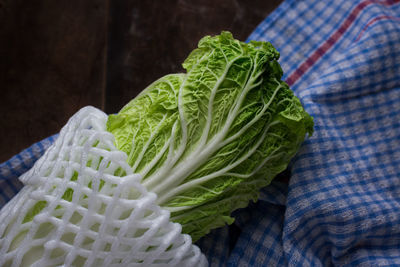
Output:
x,y
52,62
58,56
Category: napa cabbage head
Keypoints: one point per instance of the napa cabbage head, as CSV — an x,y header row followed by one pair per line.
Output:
x,y
207,140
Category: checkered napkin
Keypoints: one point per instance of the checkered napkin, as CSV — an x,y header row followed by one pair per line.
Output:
x,y
342,204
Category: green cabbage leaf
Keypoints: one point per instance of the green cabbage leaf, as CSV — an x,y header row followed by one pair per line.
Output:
x,y
207,140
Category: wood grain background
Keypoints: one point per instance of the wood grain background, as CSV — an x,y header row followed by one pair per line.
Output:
x,y
58,56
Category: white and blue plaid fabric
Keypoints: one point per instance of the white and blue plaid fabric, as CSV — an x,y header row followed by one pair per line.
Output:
x,y
342,203
17,165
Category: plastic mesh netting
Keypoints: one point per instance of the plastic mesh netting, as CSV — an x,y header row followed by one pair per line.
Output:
x,y
82,206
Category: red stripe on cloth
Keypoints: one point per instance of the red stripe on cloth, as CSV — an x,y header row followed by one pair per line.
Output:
x,y
372,21
317,54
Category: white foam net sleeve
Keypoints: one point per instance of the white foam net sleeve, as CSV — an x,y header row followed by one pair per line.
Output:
x,y
82,206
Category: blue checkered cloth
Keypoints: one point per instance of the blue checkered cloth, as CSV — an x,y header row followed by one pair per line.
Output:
x,y
342,203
